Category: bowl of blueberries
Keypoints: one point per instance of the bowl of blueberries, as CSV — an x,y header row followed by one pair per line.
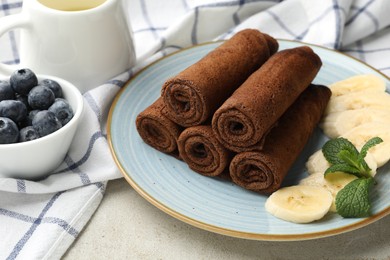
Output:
x,y
39,116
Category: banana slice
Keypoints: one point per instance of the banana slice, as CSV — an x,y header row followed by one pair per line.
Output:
x,y
318,164
299,204
361,134
338,123
358,100
366,82
333,183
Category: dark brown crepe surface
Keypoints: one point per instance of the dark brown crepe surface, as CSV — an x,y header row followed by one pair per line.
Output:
x,y
254,108
157,130
263,171
195,93
203,153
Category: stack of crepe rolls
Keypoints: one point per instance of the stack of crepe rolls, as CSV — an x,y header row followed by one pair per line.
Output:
x,y
248,120
192,96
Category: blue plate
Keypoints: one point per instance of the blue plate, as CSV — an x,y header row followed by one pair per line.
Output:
x,y
210,203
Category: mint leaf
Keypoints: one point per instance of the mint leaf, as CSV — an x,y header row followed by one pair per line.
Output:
x,y
332,148
370,143
363,152
366,170
351,159
342,168
353,200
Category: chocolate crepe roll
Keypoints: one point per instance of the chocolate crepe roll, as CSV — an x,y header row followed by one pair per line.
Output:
x,y
253,109
192,96
199,148
157,130
263,171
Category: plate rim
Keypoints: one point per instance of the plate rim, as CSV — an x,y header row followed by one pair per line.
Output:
x,y
220,230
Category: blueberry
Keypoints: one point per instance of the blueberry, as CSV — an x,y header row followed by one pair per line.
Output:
x,y
6,91
45,122
27,134
31,115
40,97
9,132
62,110
23,80
13,109
24,100
54,86
28,120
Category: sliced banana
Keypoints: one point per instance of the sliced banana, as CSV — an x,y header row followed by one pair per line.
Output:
x,y
333,183
299,204
338,123
318,164
361,134
371,162
366,82
358,100
358,110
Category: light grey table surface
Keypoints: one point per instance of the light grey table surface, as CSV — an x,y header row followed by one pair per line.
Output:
x,y
126,226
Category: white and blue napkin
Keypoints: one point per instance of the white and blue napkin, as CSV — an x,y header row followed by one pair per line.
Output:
x,y
40,220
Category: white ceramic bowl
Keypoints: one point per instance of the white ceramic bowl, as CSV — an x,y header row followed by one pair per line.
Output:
x,y
37,158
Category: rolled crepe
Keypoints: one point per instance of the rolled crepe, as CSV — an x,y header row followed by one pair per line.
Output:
x,y
157,130
263,171
253,109
199,148
192,96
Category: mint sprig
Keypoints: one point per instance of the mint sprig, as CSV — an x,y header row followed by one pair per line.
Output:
x,y
343,156
353,199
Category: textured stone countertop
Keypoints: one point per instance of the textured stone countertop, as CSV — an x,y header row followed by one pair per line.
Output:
x,y
126,226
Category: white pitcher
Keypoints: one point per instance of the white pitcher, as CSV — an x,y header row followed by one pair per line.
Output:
x,y
86,42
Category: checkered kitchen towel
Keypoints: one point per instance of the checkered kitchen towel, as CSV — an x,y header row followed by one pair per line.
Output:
x,y
40,220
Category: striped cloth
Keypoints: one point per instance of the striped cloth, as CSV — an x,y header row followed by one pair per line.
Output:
x,y
40,220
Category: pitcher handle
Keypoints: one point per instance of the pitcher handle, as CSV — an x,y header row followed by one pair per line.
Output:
x,y
8,23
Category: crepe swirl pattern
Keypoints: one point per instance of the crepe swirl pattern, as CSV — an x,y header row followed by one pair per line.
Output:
x,y
263,171
203,153
157,130
253,109
192,96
